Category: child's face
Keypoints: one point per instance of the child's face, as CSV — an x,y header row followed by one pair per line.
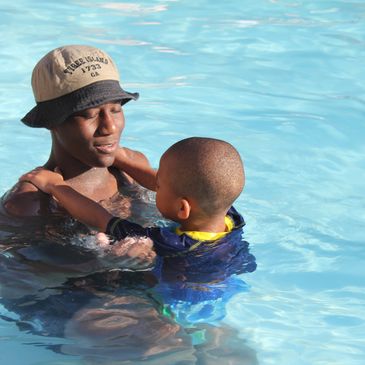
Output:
x,y
166,199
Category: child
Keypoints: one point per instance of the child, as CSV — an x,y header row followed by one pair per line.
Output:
x,y
196,184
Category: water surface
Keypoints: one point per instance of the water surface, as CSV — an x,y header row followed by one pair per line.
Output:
x,y
283,81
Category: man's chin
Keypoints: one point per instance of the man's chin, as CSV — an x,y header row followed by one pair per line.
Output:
x,y
104,161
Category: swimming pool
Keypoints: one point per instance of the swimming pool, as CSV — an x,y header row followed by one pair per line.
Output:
x,y
283,81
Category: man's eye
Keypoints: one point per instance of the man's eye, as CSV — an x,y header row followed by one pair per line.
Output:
x,y
116,111
85,115
90,116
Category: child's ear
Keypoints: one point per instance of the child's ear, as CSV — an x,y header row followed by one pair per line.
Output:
x,y
184,210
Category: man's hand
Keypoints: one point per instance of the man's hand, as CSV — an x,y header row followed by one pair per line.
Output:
x,y
43,179
133,253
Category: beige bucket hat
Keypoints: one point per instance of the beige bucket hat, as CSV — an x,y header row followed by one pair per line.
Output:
x,y
70,79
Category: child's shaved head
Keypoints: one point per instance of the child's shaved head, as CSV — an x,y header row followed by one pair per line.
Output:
x,y
208,170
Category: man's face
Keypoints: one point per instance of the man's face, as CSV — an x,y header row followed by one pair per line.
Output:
x,y
92,135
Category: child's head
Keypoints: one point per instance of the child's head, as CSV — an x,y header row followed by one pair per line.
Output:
x,y
207,172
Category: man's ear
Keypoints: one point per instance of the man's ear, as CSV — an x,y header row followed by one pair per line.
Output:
x,y
184,209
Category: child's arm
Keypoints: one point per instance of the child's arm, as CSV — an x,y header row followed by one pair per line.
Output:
x,y
137,166
80,207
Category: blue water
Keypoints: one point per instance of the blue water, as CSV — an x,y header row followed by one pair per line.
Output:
x,y
283,81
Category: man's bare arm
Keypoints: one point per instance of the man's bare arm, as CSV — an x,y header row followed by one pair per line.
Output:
x,y
78,206
25,200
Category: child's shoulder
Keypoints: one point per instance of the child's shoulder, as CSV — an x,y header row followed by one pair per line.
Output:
x,y
237,218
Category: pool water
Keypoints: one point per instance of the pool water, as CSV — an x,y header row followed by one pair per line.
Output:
x,y
283,81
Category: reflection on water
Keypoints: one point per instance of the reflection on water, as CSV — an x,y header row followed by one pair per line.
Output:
x,y
57,283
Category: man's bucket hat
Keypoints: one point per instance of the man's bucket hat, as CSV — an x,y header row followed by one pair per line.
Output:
x,y
70,79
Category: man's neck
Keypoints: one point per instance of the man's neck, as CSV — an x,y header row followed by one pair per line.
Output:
x,y
96,183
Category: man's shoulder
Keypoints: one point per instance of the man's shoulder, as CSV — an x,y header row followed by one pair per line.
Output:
x,y
24,200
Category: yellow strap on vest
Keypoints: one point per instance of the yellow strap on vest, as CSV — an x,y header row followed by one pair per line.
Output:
x,y
207,236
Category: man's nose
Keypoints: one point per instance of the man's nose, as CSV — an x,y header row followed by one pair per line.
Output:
x,y
106,123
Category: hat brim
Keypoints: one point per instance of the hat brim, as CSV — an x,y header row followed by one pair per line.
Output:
x,y
50,113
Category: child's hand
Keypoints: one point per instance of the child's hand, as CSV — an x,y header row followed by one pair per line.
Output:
x,y
121,157
43,179
136,167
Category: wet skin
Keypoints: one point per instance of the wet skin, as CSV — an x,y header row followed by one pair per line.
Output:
x,y
83,148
